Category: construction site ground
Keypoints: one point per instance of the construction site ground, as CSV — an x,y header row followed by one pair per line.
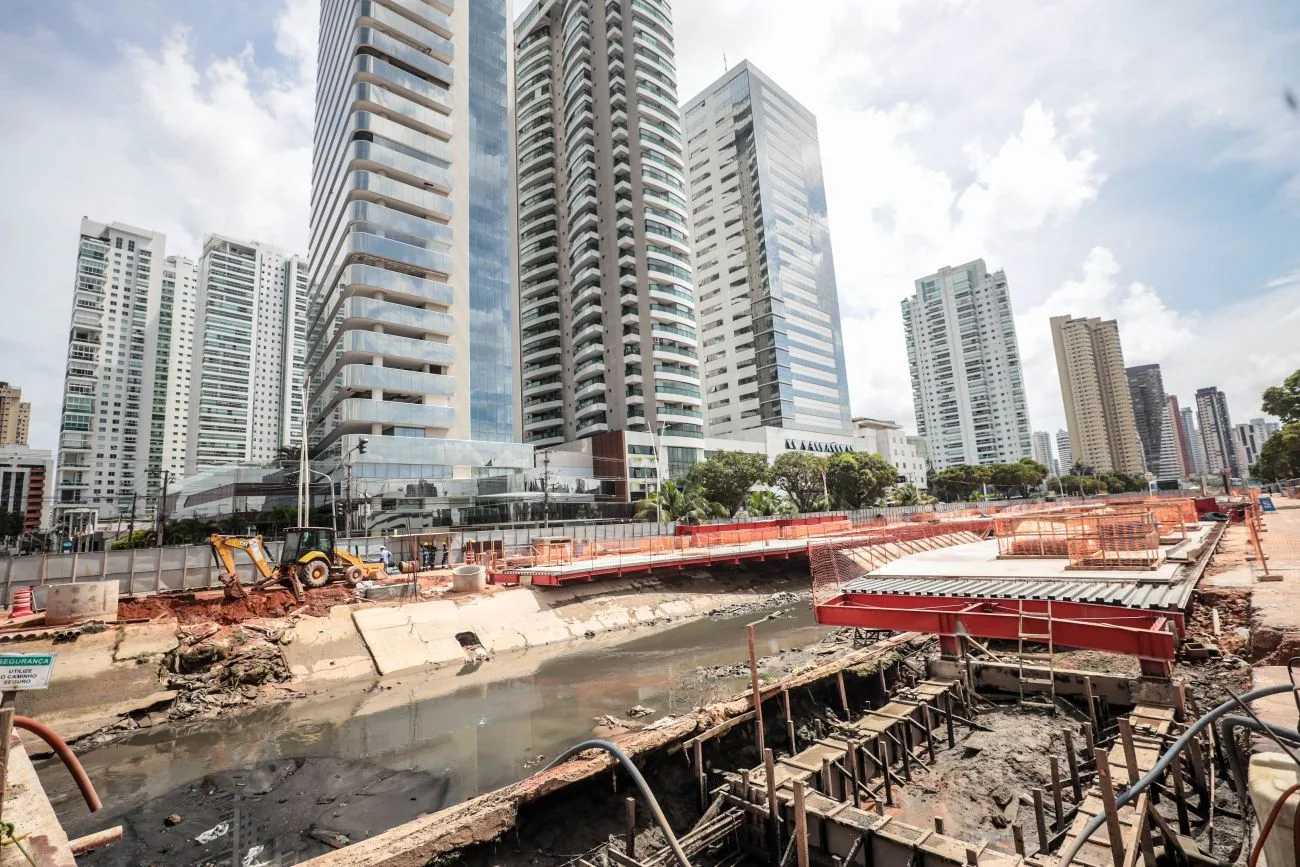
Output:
x,y
271,649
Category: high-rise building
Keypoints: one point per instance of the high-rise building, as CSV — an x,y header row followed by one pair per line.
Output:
x,y
1063,451
411,318
1172,463
607,300
15,415
174,336
967,385
1216,431
1270,428
1253,435
24,475
249,325
104,430
1182,442
1195,442
1147,392
769,313
1043,451
1098,407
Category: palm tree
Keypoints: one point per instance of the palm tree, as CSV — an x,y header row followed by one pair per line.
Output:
x,y
672,503
766,504
909,495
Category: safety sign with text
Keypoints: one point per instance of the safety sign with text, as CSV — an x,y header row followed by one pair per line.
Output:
x,y
25,671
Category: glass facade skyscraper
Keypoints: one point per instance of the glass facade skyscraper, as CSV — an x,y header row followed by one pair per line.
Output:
x,y
773,353
411,319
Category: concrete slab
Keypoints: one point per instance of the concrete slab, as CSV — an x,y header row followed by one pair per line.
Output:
x,y
980,560
146,639
327,648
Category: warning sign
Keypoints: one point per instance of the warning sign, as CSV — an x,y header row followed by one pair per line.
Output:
x,y
25,671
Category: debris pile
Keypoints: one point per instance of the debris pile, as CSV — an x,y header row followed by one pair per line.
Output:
x,y
214,669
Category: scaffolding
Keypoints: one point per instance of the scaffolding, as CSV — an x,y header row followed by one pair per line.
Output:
x,y
1128,541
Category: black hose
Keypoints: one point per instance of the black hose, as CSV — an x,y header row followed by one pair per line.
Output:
x,y
660,819
1155,773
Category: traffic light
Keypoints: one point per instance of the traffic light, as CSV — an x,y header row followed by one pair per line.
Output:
x,y
361,446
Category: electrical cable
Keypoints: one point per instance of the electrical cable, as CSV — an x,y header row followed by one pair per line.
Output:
x,y
660,819
1228,731
1095,823
1273,815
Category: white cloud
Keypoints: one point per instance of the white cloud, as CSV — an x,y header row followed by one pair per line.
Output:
x,y
157,139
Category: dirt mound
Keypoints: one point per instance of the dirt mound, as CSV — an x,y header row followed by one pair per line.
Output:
x,y
211,606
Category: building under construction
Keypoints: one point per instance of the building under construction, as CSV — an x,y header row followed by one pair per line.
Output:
x,y
961,729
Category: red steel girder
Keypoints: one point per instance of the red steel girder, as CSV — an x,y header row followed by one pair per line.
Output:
x,y
1088,626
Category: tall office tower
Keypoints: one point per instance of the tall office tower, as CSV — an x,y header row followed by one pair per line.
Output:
x,y
169,423
15,416
967,385
104,430
768,308
606,294
1043,450
1186,465
1195,442
249,298
1270,428
1098,407
1147,392
1063,451
1216,431
411,320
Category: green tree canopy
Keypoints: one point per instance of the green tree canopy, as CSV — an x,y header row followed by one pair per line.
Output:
x,y
1283,400
962,482
856,480
1279,458
1021,476
762,504
799,474
727,477
909,495
673,503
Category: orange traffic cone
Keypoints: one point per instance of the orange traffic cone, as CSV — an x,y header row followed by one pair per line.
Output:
x,y
22,603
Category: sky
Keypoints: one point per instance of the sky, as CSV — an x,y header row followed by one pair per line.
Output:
x,y
1117,159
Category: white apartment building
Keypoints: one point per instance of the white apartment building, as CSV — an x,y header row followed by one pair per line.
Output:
x,y
967,384
607,300
1063,451
1195,442
169,427
104,429
889,440
1043,452
769,313
1251,436
250,325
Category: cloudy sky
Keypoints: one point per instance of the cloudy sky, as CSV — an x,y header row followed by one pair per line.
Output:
x,y
1118,159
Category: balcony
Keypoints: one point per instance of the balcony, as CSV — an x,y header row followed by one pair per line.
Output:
x,y
395,413
589,387
594,329
591,349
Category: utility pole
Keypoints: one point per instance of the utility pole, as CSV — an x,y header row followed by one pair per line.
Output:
x,y
546,489
347,501
161,507
130,527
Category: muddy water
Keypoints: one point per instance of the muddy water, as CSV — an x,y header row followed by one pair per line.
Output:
x,y
473,730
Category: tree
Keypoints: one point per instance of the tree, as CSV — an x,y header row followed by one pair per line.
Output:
x,y
673,503
1279,458
11,524
909,495
962,482
801,476
1023,475
762,504
1283,400
727,477
856,480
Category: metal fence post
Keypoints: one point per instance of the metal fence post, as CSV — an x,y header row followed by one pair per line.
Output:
x,y
185,565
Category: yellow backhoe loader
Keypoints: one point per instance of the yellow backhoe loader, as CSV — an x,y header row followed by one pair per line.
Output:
x,y
309,556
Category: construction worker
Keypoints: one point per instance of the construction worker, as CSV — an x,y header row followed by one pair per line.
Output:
x,y
445,553
427,556
386,557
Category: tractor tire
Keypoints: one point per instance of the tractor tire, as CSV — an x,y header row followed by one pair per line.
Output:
x,y
352,575
316,573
